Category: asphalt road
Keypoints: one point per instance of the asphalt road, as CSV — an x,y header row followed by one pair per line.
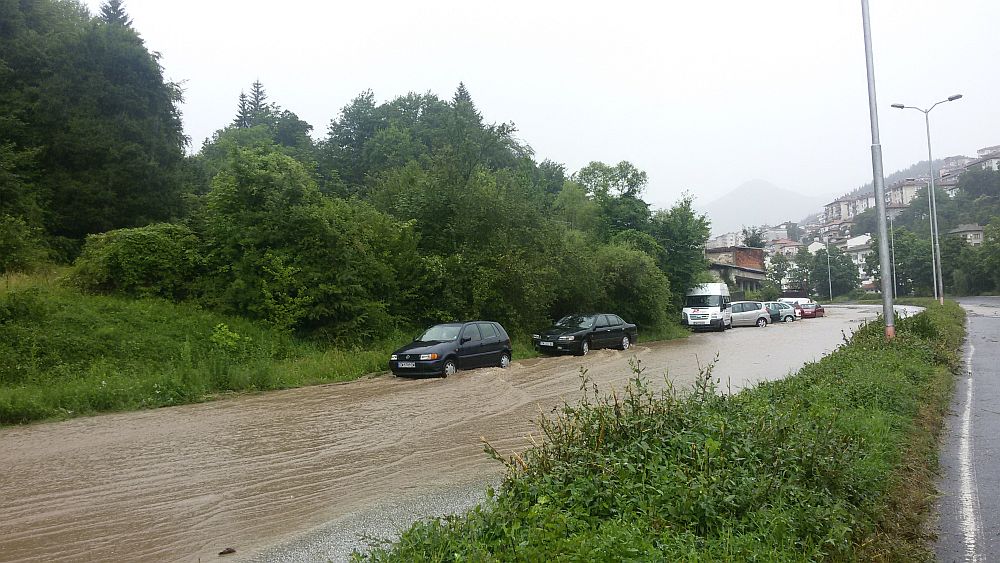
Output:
x,y
304,474
969,508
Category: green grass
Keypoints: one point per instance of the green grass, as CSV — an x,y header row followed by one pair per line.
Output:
x,y
834,463
668,332
65,354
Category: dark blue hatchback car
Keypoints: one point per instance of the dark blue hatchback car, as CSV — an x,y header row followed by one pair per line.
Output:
x,y
446,348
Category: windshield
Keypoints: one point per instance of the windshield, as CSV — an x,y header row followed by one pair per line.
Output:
x,y
440,332
703,301
576,321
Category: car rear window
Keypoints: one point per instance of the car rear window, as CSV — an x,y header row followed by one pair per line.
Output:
x,y
501,331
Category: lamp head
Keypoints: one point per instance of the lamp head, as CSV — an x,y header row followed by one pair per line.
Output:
x,y
953,98
899,106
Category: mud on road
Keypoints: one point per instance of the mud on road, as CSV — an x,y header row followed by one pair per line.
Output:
x,y
184,483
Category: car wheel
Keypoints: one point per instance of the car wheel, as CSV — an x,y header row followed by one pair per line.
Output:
x,y
504,360
722,325
584,348
789,319
762,322
625,343
449,368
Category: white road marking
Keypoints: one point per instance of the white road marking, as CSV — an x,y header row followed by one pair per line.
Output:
x,y
969,493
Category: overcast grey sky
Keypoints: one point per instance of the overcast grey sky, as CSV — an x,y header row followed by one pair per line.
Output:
x,y
701,95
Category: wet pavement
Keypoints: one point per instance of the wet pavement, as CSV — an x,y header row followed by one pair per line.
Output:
x,y
969,506
300,475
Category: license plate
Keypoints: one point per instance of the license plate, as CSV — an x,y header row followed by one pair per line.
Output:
x,y
407,364
545,343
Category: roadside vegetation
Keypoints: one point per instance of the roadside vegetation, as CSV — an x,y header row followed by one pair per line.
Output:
x,y
64,354
833,463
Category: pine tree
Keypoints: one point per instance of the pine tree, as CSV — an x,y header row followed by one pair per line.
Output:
x,y
258,102
113,12
243,114
462,94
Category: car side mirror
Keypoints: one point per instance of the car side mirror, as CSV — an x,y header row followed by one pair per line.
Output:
x,y
465,339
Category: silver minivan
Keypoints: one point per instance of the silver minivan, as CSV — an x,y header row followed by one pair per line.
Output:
x,y
750,313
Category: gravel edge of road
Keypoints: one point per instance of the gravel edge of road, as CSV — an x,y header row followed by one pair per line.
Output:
x,y
336,540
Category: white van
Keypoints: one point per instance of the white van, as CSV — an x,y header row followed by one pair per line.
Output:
x,y
707,306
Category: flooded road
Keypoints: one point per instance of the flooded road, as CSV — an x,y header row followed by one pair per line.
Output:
x,y
184,483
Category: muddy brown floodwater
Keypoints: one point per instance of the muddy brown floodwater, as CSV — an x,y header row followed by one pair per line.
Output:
x,y
184,483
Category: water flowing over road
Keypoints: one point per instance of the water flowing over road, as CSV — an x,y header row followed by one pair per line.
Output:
x,y
255,471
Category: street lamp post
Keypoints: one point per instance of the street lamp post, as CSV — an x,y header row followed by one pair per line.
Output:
x,y
935,242
878,178
829,273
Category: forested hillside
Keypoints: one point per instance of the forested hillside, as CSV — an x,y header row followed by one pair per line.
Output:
x,y
404,212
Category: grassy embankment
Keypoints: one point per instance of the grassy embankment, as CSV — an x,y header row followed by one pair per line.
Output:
x,y
833,463
65,354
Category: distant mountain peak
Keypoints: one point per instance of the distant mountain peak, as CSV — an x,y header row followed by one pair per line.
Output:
x,y
758,202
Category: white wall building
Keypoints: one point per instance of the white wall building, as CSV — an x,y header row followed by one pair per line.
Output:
x,y
858,248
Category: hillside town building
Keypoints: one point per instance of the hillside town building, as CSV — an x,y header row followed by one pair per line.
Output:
x,y
740,266
973,234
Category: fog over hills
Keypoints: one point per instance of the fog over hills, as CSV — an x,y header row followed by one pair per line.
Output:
x,y
759,202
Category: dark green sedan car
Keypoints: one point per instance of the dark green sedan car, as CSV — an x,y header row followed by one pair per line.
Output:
x,y
581,333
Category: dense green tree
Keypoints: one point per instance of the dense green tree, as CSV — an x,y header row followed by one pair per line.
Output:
x,y
279,250
21,248
623,213
550,177
113,12
260,112
617,191
964,267
682,233
912,261
90,101
574,208
800,273
243,117
866,222
621,180
271,129
753,237
989,252
795,232
633,285
778,269
976,183
835,270
18,195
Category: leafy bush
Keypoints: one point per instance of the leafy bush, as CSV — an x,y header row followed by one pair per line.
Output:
x,y
278,250
799,469
157,260
633,286
20,245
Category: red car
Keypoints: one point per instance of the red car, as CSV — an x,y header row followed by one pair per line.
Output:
x,y
812,310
